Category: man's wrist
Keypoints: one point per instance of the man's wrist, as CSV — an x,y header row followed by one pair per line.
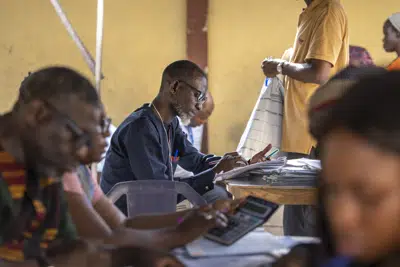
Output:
x,y
281,67
103,255
169,238
216,169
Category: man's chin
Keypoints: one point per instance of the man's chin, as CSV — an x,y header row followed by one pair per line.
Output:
x,y
185,120
194,124
387,49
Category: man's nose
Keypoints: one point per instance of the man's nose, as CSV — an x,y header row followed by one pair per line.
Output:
x,y
199,106
107,133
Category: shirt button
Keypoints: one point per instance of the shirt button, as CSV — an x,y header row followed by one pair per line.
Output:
x,y
207,188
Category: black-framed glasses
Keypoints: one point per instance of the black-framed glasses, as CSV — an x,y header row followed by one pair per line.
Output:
x,y
82,137
105,125
200,96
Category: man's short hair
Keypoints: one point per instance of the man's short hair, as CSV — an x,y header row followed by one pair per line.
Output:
x,y
56,82
182,70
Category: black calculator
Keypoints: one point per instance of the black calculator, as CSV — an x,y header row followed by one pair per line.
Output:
x,y
251,214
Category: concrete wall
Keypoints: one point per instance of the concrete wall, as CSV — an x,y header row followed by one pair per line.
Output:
x,y
140,39
142,36
243,33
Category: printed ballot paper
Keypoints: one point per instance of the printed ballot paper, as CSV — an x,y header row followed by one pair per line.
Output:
x,y
265,124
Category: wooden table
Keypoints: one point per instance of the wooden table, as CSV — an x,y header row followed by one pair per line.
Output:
x,y
277,194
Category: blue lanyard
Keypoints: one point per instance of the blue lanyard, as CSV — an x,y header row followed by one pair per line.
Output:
x,y
190,132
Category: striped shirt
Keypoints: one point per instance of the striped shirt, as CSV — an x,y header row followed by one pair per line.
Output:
x,y
35,226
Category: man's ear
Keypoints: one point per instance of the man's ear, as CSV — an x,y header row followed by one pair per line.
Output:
x,y
174,87
36,113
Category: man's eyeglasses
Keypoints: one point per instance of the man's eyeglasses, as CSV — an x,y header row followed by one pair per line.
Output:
x,y
200,96
82,137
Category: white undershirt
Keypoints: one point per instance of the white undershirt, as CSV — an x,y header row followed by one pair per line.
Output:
x,y
100,165
197,136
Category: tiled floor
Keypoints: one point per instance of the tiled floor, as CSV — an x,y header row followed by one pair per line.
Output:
x,y
274,224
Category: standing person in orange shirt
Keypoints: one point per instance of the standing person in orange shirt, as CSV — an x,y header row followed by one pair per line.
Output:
x,y
321,48
391,41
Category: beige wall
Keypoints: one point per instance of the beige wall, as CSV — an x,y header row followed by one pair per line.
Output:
x,y
140,39
143,36
242,33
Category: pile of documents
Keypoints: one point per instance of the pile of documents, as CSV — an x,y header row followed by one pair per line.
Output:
x,y
295,173
243,171
280,172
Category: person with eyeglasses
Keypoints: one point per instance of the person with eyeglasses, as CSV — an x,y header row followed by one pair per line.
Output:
x,y
149,143
56,121
194,131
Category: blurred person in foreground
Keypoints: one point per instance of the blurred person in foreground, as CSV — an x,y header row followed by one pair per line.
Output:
x,y
51,127
359,189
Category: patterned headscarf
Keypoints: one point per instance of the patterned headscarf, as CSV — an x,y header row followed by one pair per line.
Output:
x,y
359,57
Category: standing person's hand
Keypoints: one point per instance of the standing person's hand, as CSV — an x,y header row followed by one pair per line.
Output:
x,y
260,156
229,161
270,67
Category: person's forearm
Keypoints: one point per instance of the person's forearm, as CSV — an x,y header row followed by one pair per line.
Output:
x,y
30,263
163,239
135,231
88,254
80,253
154,221
303,72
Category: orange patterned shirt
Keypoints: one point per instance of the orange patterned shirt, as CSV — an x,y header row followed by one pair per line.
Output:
x,y
48,217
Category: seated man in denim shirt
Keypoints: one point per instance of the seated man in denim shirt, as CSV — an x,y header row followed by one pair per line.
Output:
x,y
149,144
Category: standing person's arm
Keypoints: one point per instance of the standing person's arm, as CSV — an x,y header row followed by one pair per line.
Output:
x,y
325,45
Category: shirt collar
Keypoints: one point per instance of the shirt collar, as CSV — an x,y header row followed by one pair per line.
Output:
x,y
315,3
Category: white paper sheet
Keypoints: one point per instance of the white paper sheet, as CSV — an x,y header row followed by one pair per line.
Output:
x,y
265,124
256,242
273,164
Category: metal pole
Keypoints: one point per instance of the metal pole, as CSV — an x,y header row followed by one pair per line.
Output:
x,y
99,49
95,67
67,24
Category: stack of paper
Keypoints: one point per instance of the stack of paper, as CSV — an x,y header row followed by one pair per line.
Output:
x,y
267,165
295,173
